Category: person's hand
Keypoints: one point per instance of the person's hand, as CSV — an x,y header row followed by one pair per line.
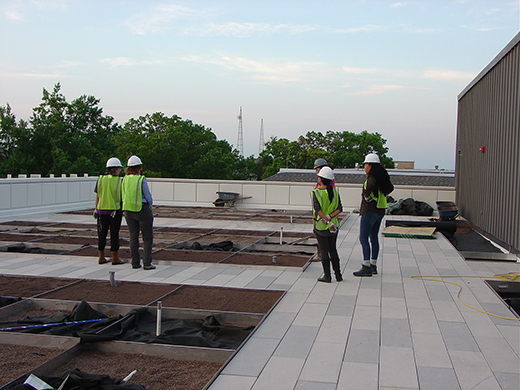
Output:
x,y
95,214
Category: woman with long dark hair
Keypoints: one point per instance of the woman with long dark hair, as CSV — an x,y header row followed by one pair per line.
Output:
x,y
326,208
373,206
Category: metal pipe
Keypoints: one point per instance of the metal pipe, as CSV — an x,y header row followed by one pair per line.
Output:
x,y
159,316
281,235
112,278
53,324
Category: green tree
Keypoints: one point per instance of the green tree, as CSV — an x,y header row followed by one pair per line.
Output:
x,y
340,149
71,137
60,137
15,153
172,147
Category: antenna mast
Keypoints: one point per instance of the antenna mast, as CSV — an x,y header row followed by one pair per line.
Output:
x,y
261,147
240,142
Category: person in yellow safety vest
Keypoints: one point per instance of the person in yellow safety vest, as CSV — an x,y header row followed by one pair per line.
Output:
x,y
137,206
318,164
326,206
373,206
108,211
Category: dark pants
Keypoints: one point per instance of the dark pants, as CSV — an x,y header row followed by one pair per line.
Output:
x,y
329,253
369,229
140,221
106,223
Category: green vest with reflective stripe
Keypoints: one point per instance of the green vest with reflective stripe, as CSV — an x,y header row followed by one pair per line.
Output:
x,y
132,193
109,192
327,207
380,199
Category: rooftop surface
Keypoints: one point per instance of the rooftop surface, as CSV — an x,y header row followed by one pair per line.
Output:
x,y
384,332
421,178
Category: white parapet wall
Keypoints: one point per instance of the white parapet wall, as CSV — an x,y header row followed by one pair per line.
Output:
x,y
22,196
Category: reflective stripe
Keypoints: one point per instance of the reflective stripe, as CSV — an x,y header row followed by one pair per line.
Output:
x,y
109,193
327,207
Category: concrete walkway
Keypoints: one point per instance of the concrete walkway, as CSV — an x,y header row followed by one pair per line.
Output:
x,y
384,332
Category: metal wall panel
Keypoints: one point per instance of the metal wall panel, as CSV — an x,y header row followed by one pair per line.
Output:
x,y
488,181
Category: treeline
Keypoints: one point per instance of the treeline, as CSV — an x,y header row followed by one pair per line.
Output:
x,y
76,137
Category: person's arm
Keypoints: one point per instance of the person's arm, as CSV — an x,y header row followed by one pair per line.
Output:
x,y
371,188
146,192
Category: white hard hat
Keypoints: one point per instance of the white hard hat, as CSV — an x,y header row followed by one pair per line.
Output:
x,y
134,161
326,173
113,162
372,158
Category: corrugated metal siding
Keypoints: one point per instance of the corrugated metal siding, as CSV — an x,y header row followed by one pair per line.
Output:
x,y
488,184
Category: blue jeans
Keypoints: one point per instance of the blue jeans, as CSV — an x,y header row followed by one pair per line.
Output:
x,y
369,229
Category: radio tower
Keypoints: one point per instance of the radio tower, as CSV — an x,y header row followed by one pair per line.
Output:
x,y
262,143
240,142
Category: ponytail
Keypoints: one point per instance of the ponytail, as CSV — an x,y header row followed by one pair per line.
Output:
x,y
330,190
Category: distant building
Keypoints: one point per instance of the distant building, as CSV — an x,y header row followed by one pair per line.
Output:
x,y
426,178
488,149
404,164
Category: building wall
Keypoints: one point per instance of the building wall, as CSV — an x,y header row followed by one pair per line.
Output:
x,y
23,196
488,149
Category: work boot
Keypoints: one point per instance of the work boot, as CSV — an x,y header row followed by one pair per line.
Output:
x,y
102,259
374,269
364,271
325,279
337,271
115,258
326,272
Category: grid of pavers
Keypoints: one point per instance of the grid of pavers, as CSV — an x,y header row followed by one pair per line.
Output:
x,y
384,332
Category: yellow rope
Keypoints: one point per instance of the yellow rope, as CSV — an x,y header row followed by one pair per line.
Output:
x,y
511,276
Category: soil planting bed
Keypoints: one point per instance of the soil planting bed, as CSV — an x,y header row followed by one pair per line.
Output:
x,y
70,240
190,256
21,237
271,259
31,312
130,293
16,360
223,299
29,286
154,373
24,223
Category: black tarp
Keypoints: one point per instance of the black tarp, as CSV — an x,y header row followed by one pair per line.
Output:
x,y
77,380
139,325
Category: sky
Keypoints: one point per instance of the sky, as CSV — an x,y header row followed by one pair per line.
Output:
x,y
391,67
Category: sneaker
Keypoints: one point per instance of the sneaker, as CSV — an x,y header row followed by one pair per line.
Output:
x,y
150,266
135,266
325,279
364,271
374,269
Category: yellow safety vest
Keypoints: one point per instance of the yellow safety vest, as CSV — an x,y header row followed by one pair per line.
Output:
x,y
109,192
133,193
327,207
380,199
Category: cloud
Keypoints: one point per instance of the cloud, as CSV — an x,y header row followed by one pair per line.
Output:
x,y
379,89
397,5
35,75
159,18
125,61
265,71
352,70
448,75
246,29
